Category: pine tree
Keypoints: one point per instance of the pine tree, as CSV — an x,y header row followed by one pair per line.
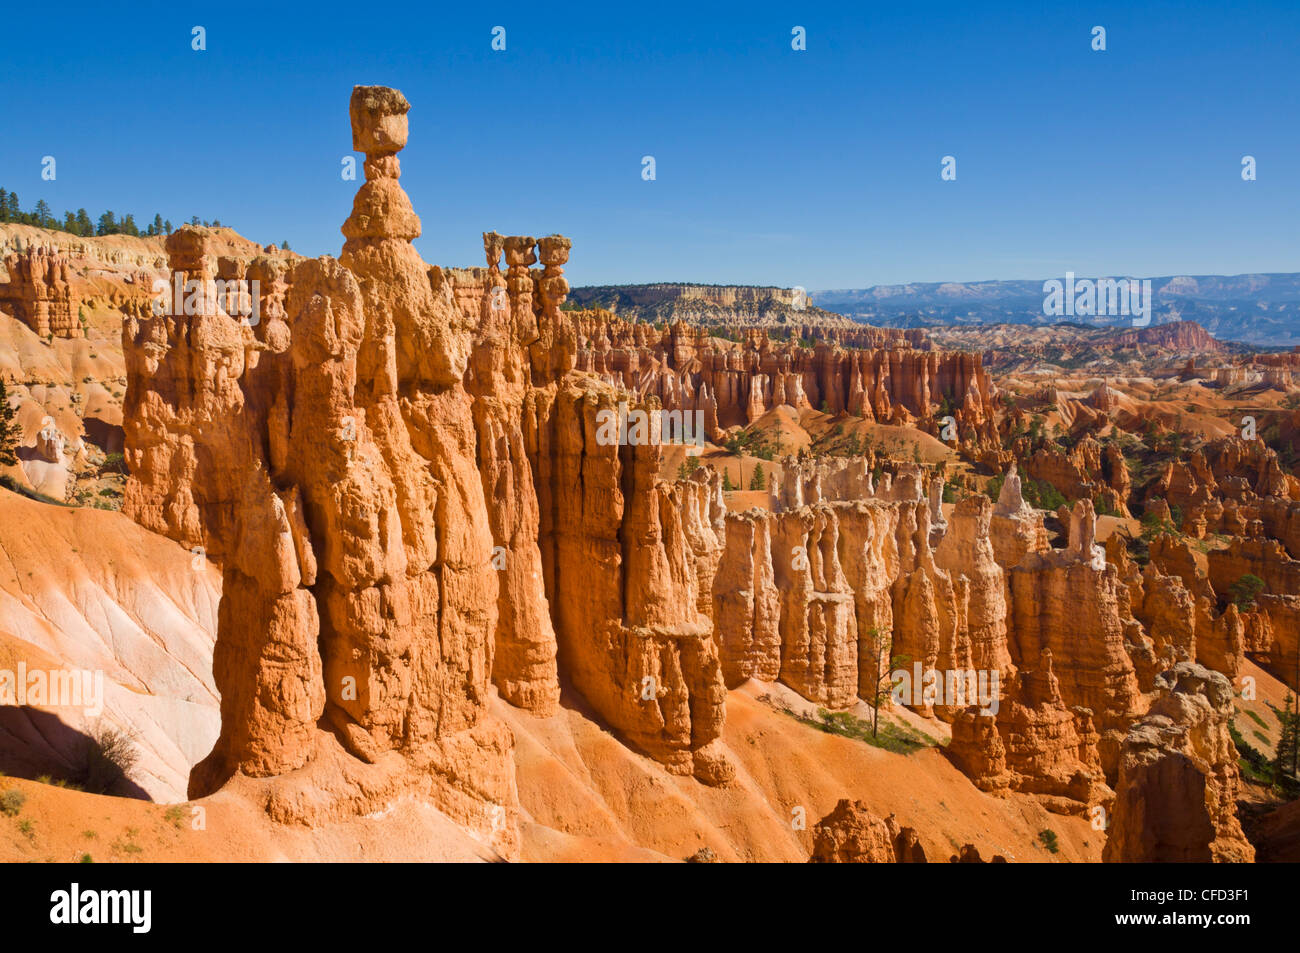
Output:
x,y
129,227
10,431
42,214
758,481
84,226
167,226
4,206
1288,742
726,482
1244,590
157,227
886,663
15,211
285,244
70,222
107,224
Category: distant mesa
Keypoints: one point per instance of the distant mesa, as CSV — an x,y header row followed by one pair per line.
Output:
x,y
714,305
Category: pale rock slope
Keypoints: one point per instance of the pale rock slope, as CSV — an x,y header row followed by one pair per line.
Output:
x,y
89,589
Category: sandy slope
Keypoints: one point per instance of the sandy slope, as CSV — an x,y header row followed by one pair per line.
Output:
x,y
64,826
584,797
1270,693
587,797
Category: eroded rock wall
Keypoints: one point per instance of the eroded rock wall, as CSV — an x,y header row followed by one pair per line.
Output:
x,y
39,292
1179,780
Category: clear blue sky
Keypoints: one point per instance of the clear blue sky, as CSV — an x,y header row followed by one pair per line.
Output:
x,y
816,168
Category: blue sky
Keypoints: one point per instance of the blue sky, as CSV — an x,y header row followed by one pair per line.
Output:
x,y
818,168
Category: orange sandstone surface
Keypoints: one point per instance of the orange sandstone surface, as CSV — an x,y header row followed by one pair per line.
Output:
x,y
381,590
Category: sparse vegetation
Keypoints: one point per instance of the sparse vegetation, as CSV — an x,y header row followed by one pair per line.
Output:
x,y
834,443
1254,766
10,431
11,802
899,739
1243,592
109,757
886,663
79,223
1102,505
1286,761
1042,494
126,843
1153,526
752,443
9,483
1037,493
1047,838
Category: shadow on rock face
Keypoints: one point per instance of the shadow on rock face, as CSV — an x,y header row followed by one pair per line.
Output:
x,y
34,743
108,437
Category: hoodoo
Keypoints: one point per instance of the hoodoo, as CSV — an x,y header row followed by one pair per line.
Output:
x,y
402,473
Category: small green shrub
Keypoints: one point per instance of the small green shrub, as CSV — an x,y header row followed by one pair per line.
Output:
x,y
1254,766
1244,590
11,802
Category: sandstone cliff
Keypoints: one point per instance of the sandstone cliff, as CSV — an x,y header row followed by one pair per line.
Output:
x,y
1178,780
734,383
39,292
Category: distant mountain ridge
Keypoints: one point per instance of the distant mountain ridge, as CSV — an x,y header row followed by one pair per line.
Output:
x,y
1259,309
707,305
